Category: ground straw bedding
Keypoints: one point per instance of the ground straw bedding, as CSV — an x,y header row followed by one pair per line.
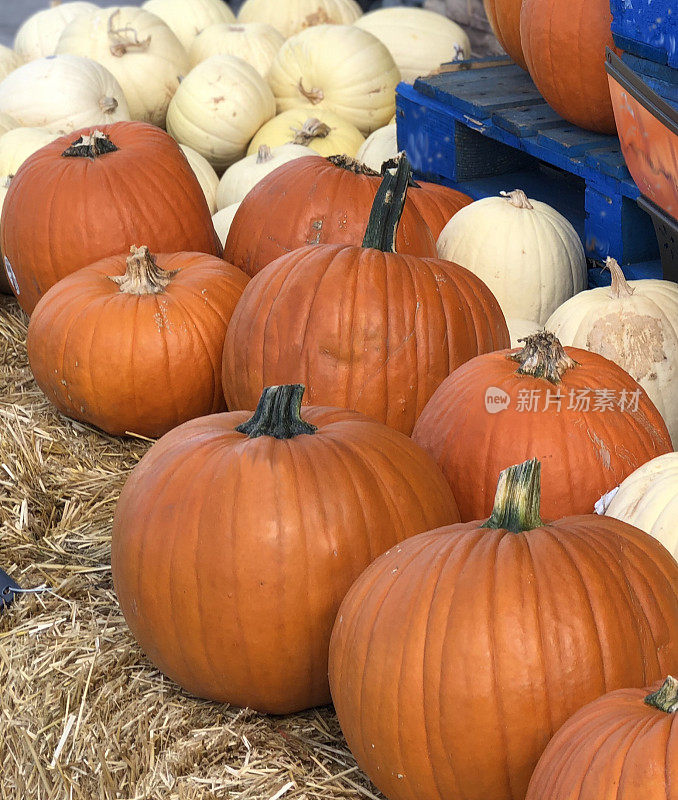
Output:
x,y
83,714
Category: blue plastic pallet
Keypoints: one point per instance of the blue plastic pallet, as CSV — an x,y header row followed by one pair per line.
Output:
x,y
647,28
483,126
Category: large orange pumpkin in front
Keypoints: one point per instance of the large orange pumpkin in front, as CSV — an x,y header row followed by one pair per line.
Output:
x,y
235,540
361,327
586,418
458,654
564,46
314,200
94,193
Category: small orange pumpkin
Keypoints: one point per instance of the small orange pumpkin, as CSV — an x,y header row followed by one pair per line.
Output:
x,y
134,344
619,747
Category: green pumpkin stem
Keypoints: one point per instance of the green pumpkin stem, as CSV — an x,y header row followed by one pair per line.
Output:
x,y
143,275
666,697
543,356
388,208
278,414
90,146
516,503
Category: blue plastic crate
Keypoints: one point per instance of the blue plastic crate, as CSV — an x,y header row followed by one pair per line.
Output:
x,y
647,28
482,127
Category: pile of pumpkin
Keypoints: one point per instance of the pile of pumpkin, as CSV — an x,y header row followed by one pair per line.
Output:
x,y
364,523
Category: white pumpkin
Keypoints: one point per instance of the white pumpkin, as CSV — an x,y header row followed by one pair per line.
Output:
x,y
340,68
219,107
63,93
245,174
222,221
380,146
419,40
7,123
187,18
634,324
323,131
9,61
138,48
18,144
38,35
520,328
254,42
648,499
527,253
207,177
292,16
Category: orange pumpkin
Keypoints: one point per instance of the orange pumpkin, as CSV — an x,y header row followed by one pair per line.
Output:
x,y
437,204
585,417
564,46
458,654
619,747
504,17
314,200
361,327
235,540
134,345
95,193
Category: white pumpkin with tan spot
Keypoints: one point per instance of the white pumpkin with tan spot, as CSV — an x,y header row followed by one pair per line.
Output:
x,y
648,499
418,39
219,107
634,324
254,42
527,253
139,49
340,68
292,16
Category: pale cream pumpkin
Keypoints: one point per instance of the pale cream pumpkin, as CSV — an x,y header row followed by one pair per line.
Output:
x,y
204,172
340,68
20,143
219,107
245,174
648,499
419,40
527,253
324,132
222,221
63,93
634,324
292,16
9,61
138,48
187,18
7,123
254,42
38,35
520,328
380,146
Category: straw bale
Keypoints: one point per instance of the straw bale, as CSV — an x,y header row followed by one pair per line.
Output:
x,y
83,713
